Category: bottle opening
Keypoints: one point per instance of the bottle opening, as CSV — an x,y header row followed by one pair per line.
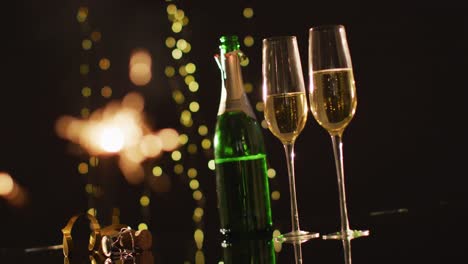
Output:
x,y
229,43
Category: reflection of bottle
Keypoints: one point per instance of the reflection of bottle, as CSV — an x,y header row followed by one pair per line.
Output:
x,y
258,251
240,158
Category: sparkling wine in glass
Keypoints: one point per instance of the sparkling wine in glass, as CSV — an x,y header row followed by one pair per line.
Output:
x,y
333,101
285,112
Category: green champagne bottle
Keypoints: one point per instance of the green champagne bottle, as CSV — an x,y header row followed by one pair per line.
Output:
x,y
240,158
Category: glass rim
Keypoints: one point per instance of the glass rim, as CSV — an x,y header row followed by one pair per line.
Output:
x,y
327,27
279,38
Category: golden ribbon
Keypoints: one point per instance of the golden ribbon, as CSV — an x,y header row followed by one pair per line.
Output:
x,y
94,236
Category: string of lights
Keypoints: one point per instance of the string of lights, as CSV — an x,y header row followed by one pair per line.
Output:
x,y
151,144
195,137
249,42
90,40
95,82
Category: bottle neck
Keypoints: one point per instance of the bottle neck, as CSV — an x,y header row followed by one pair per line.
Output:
x,y
233,97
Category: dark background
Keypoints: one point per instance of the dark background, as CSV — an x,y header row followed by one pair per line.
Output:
x,y
403,150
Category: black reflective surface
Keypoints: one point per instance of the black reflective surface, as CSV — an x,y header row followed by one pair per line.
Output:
x,y
394,239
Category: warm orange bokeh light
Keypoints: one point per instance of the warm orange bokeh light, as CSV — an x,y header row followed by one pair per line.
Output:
x,y
132,171
169,138
140,74
134,101
140,56
111,139
6,184
151,145
119,129
12,192
140,67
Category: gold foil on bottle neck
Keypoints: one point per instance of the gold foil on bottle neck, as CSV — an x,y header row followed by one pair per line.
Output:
x,y
234,82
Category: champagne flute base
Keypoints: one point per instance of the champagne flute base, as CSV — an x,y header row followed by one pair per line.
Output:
x,y
350,234
296,237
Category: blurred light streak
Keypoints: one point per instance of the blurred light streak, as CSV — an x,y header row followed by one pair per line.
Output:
x,y
389,212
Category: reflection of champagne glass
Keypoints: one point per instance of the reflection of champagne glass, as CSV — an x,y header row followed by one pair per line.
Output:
x,y
333,103
285,112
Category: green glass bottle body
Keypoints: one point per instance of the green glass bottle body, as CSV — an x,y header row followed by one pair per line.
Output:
x,y
240,157
253,251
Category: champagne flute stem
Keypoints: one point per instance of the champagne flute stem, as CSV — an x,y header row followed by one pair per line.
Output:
x,y
338,152
289,149
347,250
298,253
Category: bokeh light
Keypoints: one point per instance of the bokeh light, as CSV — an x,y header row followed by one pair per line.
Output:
x,y
82,14
178,97
177,27
104,64
192,148
86,44
96,36
6,184
170,42
106,92
194,107
275,195
176,54
248,12
142,226
206,143
183,139
193,86
211,165
140,67
271,173
169,71
84,69
144,200
83,168
86,91
170,138
249,41
14,194
181,44
189,78
202,130
248,87
191,68
192,173
157,171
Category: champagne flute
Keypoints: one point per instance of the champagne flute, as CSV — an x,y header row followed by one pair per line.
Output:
x,y
285,112
333,102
